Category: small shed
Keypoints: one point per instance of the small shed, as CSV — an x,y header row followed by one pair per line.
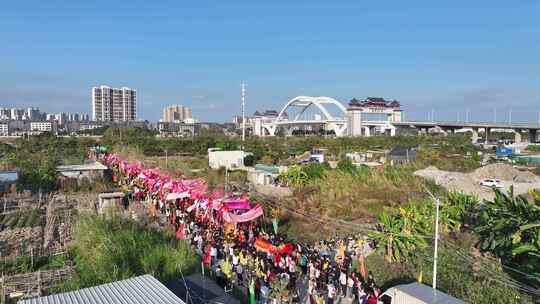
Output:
x,y
402,155
138,290
110,200
91,171
8,180
264,174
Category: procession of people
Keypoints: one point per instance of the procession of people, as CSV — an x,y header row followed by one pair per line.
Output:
x,y
226,231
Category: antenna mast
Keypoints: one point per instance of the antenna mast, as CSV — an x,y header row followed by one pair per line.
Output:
x,y
243,114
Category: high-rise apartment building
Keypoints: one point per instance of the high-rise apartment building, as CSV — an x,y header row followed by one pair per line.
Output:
x,y
113,104
176,113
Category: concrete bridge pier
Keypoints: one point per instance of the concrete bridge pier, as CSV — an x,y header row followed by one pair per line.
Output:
x,y
474,137
487,131
533,135
517,136
448,131
367,131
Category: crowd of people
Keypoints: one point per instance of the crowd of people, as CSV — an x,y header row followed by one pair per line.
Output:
x,y
260,262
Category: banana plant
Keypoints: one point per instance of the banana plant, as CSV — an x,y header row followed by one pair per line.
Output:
x,y
510,226
399,235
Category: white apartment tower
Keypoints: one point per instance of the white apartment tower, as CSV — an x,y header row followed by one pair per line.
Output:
x,y
114,104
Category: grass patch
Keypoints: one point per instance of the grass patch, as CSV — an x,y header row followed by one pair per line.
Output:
x,y
27,264
112,249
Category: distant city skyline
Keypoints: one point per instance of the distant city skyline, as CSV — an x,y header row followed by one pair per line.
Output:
x,y
451,58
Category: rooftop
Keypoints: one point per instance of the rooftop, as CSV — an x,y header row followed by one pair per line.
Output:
x,y
374,102
84,167
138,290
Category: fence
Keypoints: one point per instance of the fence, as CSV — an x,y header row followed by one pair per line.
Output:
x,y
32,284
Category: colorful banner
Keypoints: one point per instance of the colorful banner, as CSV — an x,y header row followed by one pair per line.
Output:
x,y
237,205
265,246
251,215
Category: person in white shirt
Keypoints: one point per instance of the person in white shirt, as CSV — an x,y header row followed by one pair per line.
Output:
x,y
343,282
331,293
350,285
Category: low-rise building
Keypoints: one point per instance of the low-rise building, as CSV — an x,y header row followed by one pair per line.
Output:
x,y
226,159
90,170
178,129
4,129
264,174
37,127
8,180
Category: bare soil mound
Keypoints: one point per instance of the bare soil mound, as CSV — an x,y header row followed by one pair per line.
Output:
x,y
469,183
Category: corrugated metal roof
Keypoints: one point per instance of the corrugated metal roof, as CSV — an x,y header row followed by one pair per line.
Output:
x,y
83,167
427,294
138,290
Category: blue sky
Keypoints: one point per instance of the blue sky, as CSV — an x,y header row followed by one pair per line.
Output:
x,y
448,56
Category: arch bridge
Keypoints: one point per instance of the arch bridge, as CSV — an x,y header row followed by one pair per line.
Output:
x,y
304,104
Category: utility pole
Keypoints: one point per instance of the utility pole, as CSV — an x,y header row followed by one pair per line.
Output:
x,y
436,249
432,115
510,116
243,114
494,115
467,116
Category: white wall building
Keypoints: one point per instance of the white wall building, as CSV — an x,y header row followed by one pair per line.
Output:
x,y
226,159
40,126
114,104
4,129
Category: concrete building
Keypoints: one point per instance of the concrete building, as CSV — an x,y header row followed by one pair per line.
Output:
x,y
91,171
226,159
4,129
37,127
114,104
33,113
176,113
178,129
374,115
264,174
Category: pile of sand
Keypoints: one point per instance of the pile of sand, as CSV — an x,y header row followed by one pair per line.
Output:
x,y
504,172
469,183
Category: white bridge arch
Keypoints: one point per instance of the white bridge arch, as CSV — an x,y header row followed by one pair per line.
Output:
x,y
331,123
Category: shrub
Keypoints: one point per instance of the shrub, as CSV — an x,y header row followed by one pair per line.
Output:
x,y
108,250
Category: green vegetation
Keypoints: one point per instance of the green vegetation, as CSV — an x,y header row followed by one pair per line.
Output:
x,y
107,250
506,227
31,264
473,282
509,226
533,148
36,157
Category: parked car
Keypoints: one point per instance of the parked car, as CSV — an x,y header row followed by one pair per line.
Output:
x,y
492,183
